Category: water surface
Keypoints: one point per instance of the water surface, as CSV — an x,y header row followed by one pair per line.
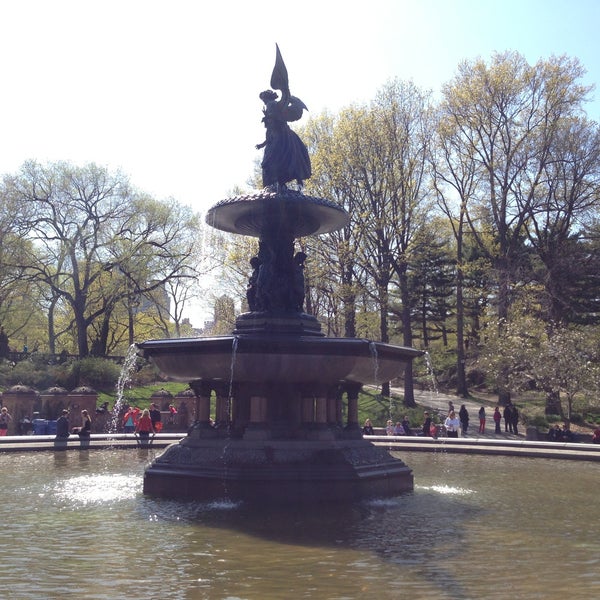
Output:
x,y
76,525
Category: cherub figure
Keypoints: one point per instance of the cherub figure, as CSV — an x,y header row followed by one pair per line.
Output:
x,y
285,157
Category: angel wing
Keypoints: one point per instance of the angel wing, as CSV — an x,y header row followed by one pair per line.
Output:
x,y
279,81
279,77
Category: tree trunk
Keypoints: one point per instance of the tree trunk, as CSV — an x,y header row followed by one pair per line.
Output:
x,y
553,406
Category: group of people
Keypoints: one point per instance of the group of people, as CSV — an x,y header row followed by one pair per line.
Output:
x,y
454,422
143,422
63,430
400,428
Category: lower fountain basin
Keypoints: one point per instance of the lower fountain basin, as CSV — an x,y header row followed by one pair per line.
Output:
x,y
286,359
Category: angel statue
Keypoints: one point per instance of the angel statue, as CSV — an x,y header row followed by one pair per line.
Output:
x,y
285,157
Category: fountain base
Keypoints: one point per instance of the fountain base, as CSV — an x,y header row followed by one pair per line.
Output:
x,y
278,471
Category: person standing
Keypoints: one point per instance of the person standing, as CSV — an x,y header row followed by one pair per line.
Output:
x,y
508,422
482,420
129,419
514,415
156,418
452,423
463,415
427,425
144,425
497,419
5,420
62,425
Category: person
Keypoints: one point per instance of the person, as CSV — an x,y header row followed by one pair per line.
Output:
x,y
129,420
406,426
508,422
5,420
62,425
156,418
482,420
286,157
463,415
86,428
433,430
497,419
368,428
144,426
452,423
450,406
567,434
596,436
427,425
399,429
555,433
103,409
514,417
389,427
172,413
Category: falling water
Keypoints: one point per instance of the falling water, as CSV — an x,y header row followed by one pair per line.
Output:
x,y
433,387
124,379
373,351
375,357
430,372
234,347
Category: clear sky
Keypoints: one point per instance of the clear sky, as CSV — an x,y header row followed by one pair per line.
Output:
x,y
168,91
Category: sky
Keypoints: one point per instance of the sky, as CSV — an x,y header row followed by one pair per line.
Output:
x,y
167,91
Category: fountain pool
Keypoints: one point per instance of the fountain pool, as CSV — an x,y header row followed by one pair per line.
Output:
x,y
76,524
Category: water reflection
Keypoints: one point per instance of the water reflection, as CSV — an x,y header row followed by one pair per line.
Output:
x,y
474,527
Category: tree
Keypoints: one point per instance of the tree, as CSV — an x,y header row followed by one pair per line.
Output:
x,y
96,241
500,125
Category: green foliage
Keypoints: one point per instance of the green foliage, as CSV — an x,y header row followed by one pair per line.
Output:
x,y
27,372
98,373
371,405
141,395
538,421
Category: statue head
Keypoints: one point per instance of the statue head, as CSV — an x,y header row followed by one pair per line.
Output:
x,y
268,96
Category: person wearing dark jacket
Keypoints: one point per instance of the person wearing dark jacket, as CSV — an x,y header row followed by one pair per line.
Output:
x,y
427,425
62,425
508,420
86,429
463,415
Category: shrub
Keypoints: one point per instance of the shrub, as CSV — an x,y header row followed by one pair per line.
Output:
x,y
99,373
538,421
39,377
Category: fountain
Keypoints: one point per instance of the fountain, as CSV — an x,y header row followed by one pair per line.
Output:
x,y
278,383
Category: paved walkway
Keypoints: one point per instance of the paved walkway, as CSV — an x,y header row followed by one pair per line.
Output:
x,y
438,402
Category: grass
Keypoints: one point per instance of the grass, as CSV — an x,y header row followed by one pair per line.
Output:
x,y
141,395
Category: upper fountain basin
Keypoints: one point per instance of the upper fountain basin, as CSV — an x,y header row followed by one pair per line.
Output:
x,y
289,210
284,359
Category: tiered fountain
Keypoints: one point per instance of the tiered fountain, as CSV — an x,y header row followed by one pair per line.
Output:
x,y
279,389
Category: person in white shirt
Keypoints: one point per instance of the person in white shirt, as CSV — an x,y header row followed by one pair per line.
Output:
x,y
452,424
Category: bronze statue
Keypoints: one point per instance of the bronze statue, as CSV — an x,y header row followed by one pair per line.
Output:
x,y
285,157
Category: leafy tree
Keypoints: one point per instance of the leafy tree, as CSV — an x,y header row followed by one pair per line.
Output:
x,y
96,241
500,125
